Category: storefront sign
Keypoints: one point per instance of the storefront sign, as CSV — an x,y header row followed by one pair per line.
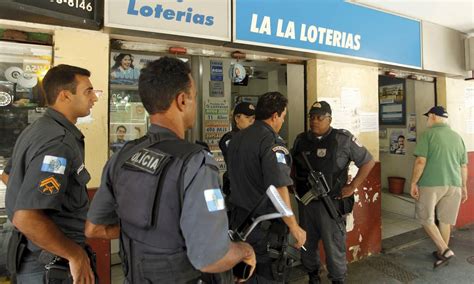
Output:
x,y
79,8
216,89
331,27
72,13
217,73
216,122
195,18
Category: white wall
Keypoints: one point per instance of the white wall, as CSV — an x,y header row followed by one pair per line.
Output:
x,y
90,50
443,50
326,79
296,111
460,107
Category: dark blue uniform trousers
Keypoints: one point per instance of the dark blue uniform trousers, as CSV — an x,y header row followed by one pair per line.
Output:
x,y
317,223
258,239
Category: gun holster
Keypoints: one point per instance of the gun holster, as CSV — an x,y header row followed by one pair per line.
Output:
x,y
16,249
55,273
347,204
279,251
56,268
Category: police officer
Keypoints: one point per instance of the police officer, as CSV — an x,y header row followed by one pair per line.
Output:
x,y
46,197
243,117
258,158
164,192
329,151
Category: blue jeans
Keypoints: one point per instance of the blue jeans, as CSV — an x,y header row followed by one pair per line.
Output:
x,y
30,278
30,271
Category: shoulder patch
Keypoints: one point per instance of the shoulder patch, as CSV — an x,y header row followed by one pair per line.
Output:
x,y
280,149
356,141
148,160
49,186
280,157
53,164
214,200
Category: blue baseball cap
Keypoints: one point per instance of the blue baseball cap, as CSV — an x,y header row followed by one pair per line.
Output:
x,y
437,110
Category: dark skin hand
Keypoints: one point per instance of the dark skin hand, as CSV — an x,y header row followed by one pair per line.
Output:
x,y
362,174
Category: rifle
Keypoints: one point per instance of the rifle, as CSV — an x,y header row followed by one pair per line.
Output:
x,y
243,230
319,190
242,270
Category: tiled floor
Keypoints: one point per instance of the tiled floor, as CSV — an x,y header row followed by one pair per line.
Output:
x,y
395,224
392,224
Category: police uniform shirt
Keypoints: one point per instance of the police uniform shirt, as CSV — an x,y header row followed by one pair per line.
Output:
x,y
203,219
257,158
48,173
349,148
225,140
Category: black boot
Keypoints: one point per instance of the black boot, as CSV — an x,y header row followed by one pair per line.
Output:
x,y
337,282
314,278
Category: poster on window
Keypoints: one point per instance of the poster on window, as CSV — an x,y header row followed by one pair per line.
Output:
x,y
216,122
125,67
392,104
397,141
120,133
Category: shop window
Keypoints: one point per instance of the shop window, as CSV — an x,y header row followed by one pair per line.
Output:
x,y
128,118
22,67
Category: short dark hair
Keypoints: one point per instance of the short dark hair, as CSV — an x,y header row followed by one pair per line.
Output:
x,y
401,136
59,78
121,126
160,81
269,103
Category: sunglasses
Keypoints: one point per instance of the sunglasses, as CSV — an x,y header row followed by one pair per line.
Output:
x,y
318,117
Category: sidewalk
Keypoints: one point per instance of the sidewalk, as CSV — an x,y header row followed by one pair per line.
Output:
x,y
414,264
411,263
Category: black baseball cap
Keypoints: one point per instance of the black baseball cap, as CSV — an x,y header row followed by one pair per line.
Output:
x,y
437,110
320,108
245,108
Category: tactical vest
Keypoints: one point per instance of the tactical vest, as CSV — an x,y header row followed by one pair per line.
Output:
x,y
322,156
148,188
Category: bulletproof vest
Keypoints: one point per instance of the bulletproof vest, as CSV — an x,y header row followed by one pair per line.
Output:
x,y
322,154
148,188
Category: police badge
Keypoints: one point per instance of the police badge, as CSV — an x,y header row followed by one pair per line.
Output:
x,y
321,153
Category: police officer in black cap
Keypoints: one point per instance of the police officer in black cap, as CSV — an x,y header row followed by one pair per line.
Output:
x,y
46,197
258,158
243,117
164,192
329,151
